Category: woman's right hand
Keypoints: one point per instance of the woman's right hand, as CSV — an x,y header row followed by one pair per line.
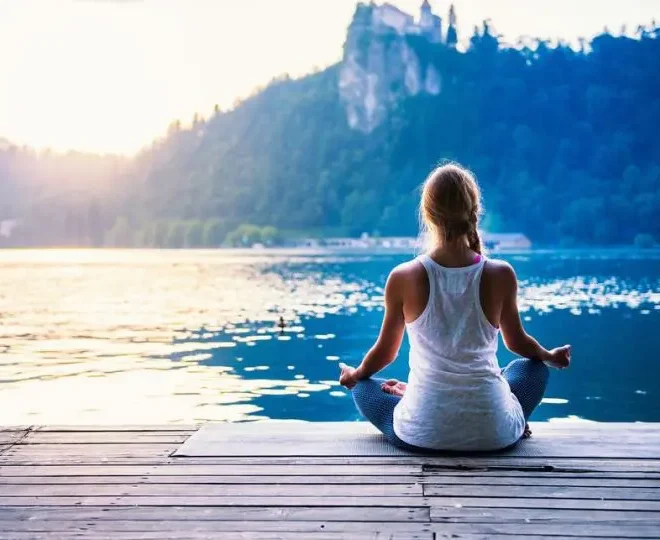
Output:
x,y
349,376
560,357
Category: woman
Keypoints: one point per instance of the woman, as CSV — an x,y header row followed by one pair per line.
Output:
x,y
453,302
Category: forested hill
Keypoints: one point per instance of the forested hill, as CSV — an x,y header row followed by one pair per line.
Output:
x,y
565,145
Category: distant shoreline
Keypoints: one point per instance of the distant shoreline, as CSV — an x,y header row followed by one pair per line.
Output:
x,y
324,250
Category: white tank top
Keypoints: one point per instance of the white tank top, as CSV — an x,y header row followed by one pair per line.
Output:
x,y
456,397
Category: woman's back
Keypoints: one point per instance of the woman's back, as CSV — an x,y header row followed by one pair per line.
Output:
x,y
456,397
452,303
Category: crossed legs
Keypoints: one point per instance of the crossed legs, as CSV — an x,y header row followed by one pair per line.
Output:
x,y
528,380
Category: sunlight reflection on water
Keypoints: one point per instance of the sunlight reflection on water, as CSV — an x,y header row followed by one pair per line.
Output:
x,y
184,336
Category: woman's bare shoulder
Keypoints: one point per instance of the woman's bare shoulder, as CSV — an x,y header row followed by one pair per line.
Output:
x,y
500,272
407,273
410,284
409,270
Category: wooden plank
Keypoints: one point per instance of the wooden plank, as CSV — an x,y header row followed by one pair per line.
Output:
x,y
186,529
468,536
212,490
543,481
105,437
329,502
10,437
614,529
294,536
555,492
620,475
203,480
579,529
243,514
487,536
120,427
219,501
335,479
531,464
15,428
204,535
182,468
532,502
535,465
439,464
57,450
165,460
477,514
29,461
594,427
86,452
205,525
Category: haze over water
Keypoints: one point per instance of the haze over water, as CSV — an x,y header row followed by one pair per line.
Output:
x,y
184,336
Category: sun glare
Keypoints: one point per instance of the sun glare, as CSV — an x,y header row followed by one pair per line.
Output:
x,y
110,75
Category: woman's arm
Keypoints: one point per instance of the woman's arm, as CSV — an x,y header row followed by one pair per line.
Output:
x,y
389,340
515,338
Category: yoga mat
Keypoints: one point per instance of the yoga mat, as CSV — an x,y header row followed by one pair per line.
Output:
x,y
283,438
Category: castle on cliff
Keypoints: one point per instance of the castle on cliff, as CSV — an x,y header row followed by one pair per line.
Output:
x,y
387,17
381,64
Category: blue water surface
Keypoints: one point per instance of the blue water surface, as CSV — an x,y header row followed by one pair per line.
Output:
x,y
187,336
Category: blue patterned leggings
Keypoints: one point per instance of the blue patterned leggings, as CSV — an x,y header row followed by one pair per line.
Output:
x,y
527,378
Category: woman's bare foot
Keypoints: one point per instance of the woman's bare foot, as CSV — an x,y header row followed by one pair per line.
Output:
x,y
527,433
394,387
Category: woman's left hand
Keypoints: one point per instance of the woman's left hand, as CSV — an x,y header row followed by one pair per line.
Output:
x,y
349,376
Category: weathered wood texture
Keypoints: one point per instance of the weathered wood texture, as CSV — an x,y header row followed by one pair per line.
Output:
x,y
124,482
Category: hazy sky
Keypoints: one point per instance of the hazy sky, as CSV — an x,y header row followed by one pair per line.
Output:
x,y
110,75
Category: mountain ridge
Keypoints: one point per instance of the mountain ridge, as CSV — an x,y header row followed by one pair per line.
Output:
x,y
564,143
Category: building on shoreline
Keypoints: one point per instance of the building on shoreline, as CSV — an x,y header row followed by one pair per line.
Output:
x,y
492,241
506,241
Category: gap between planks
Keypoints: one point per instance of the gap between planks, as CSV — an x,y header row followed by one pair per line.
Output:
x,y
354,513
223,503
531,465
338,478
192,470
444,530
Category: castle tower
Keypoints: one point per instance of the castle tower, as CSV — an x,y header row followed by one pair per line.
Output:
x,y
430,25
452,35
426,11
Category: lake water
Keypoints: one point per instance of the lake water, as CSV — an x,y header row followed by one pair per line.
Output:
x,y
184,336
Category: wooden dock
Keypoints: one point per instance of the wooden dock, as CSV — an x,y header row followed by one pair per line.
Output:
x,y
124,482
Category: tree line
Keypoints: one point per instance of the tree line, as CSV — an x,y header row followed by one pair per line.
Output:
x,y
564,142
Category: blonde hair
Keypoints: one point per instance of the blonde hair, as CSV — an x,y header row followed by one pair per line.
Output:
x,y
450,207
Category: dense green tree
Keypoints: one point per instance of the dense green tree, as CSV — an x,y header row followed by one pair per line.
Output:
x,y
121,234
176,234
194,234
564,143
215,232
269,235
244,235
160,233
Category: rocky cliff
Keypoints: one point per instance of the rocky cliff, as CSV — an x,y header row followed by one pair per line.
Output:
x,y
380,65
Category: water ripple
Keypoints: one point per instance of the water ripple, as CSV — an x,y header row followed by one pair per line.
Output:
x,y
183,336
